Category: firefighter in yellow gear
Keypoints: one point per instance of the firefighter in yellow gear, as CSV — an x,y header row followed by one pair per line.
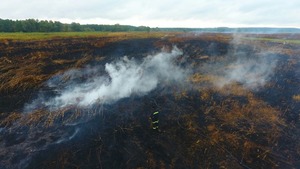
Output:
x,y
155,120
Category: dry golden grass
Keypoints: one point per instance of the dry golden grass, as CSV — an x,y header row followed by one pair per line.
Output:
x,y
233,123
201,78
21,78
22,75
34,118
224,38
233,89
10,119
213,83
29,70
62,61
296,98
205,95
259,116
38,117
83,61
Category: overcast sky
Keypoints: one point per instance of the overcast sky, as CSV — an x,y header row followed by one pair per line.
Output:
x,y
159,13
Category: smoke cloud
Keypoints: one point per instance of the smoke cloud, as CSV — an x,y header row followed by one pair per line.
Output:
x,y
120,79
252,73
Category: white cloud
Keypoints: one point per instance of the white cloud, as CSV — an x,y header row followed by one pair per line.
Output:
x,y
162,13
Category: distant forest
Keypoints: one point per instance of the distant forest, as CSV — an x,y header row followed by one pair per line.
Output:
x,y
33,25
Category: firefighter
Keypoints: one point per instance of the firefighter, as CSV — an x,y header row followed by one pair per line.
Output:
x,y
155,121
154,118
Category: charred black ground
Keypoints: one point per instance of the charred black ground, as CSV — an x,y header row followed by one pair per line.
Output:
x,y
202,125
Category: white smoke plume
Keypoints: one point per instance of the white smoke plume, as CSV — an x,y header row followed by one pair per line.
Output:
x,y
252,66
252,73
122,78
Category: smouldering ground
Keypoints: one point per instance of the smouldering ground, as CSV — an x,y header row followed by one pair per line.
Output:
x,y
225,101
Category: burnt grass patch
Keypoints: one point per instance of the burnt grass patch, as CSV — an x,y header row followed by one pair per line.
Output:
x,y
201,125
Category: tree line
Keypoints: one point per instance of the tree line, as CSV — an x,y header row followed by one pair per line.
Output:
x,y
34,25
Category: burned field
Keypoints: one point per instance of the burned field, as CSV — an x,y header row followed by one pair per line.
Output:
x,y
224,101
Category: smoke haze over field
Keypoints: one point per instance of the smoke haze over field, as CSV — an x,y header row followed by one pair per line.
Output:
x,y
252,73
128,77
125,77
